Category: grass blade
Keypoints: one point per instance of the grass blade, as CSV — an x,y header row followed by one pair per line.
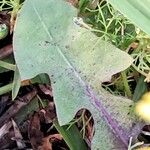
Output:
x,y
71,136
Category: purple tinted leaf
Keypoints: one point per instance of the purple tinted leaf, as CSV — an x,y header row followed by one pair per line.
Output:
x,y
118,131
77,62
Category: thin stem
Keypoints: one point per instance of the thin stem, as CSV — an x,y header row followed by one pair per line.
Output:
x,y
126,85
40,100
7,65
6,88
140,71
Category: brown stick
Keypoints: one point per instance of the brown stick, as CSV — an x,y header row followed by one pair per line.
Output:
x,y
13,110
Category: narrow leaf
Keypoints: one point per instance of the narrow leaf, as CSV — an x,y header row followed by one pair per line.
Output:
x,y
7,65
140,89
16,83
71,136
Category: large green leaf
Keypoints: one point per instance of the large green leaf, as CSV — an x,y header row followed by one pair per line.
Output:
x,y
136,10
48,40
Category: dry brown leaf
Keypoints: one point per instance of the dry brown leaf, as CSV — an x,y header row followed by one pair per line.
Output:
x,y
6,51
46,145
46,89
5,128
35,135
18,137
13,110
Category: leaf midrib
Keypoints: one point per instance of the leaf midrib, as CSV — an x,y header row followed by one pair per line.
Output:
x,y
58,48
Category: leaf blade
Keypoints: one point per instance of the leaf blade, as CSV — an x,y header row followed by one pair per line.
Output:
x,y
77,62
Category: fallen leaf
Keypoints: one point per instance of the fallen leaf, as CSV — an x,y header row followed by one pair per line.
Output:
x,y
34,132
5,128
6,51
46,89
18,137
46,145
18,104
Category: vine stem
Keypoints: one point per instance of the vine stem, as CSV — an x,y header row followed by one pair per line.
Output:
x,y
126,84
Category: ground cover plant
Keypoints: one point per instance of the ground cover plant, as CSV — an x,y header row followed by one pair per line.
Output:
x,y
73,73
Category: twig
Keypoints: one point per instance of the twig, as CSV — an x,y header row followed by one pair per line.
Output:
x,y
13,110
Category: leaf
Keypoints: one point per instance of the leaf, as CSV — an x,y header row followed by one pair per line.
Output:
x,y
8,60
41,79
71,136
16,83
140,89
77,62
16,107
27,110
6,51
35,134
6,88
5,129
6,65
134,10
18,137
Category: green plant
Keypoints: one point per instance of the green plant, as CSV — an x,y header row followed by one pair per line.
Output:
x,y
78,56
141,10
77,62
111,24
